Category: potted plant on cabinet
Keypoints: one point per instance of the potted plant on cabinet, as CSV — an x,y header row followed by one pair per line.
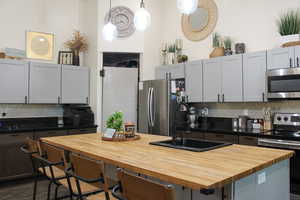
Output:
x,y
289,27
218,46
227,45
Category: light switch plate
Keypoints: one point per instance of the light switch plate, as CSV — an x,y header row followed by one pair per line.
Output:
x,y
261,178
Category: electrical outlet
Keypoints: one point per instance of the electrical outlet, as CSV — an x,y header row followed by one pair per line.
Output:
x,y
246,112
261,178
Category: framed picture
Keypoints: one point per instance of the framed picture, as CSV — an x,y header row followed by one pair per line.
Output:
x,y
65,57
39,45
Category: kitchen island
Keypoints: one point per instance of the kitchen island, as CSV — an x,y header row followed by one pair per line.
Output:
x,y
234,172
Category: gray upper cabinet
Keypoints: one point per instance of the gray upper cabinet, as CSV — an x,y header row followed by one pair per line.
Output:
x,y
254,74
297,56
212,80
194,81
75,85
232,78
177,71
45,83
13,81
281,58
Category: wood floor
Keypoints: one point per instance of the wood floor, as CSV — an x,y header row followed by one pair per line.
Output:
x,y
22,190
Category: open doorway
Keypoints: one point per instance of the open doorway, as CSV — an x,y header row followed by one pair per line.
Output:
x,y
121,74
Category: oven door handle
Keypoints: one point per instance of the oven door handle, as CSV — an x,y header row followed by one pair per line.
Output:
x,y
279,144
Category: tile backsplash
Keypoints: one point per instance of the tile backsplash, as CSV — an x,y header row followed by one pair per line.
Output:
x,y
27,111
253,110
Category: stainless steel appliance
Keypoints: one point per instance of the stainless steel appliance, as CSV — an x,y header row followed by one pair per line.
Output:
x,y
158,106
284,83
286,135
78,115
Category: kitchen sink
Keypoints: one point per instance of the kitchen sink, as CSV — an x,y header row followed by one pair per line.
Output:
x,y
191,145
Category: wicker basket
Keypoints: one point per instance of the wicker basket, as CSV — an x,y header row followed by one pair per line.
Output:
x,y
290,44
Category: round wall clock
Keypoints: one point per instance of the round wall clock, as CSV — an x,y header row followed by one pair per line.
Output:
x,y
202,22
122,17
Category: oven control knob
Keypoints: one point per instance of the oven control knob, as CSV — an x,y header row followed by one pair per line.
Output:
x,y
279,118
286,119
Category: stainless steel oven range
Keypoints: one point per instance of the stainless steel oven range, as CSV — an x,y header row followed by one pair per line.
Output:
x,y
286,135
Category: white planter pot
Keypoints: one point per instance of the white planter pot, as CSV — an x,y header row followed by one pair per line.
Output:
x,y
289,38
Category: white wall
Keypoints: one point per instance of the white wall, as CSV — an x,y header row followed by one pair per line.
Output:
x,y
60,17
250,21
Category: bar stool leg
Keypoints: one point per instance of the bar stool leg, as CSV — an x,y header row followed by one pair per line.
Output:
x,y
49,190
107,196
35,186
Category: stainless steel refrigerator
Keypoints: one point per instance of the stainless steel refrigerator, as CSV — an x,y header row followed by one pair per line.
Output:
x,y
157,106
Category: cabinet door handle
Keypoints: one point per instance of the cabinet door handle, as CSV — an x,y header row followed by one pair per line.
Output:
x,y
298,65
263,97
87,100
291,63
223,98
218,98
26,99
58,100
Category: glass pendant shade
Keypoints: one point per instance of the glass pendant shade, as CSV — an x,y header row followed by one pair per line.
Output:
x,y
142,19
109,32
187,7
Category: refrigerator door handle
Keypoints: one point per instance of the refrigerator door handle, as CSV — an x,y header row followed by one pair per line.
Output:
x,y
148,106
153,107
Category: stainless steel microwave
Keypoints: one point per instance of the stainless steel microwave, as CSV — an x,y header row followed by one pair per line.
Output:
x,y
283,84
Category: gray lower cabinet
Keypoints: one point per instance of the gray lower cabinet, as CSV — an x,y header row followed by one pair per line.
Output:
x,y
248,140
254,75
222,137
212,80
14,163
281,58
194,81
232,78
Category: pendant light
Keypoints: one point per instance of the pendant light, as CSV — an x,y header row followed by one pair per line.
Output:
x,y
142,18
187,7
109,31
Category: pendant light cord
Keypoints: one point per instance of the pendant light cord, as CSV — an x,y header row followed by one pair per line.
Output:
x,y
109,11
142,4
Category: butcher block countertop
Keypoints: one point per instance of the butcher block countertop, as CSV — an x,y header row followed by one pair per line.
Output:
x,y
196,170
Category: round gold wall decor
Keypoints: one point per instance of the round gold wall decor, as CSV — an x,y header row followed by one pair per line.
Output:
x,y
200,24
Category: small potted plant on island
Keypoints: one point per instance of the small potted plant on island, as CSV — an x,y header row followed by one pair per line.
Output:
x,y
218,46
289,28
227,45
115,122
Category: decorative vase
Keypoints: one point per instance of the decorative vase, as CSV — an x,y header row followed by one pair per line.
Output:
x,y
289,38
228,52
76,58
171,58
217,52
